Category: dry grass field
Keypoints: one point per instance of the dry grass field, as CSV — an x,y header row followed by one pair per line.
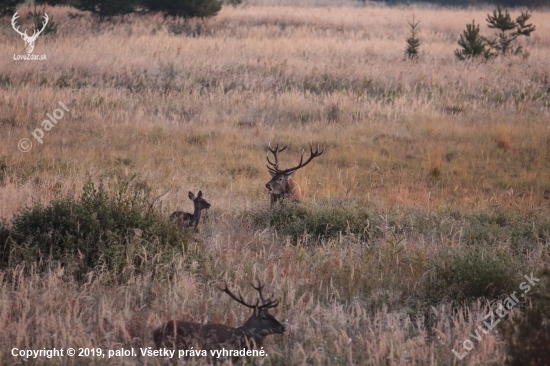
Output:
x,y
449,159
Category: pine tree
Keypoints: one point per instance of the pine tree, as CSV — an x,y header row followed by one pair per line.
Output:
x,y
473,44
413,43
503,22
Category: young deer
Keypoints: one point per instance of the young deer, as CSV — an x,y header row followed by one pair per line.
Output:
x,y
183,335
185,219
281,184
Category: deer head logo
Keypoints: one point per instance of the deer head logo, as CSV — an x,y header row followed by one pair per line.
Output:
x,y
29,41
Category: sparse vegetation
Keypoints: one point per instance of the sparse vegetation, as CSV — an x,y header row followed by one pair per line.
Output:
x,y
433,171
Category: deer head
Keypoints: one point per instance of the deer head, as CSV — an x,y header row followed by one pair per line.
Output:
x,y
261,323
182,334
281,184
29,40
199,202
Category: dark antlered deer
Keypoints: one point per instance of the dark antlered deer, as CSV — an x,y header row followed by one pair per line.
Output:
x,y
185,219
281,184
182,335
29,40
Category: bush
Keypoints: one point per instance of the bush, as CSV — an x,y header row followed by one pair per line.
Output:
x,y
462,277
317,221
185,8
8,7
117,232
107,8
522,231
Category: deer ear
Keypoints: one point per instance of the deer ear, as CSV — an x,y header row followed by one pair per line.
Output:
x,y
191,196
273,174
289,175
199,195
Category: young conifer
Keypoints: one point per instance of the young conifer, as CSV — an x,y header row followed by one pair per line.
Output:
x,y
413,43
473,44
509,30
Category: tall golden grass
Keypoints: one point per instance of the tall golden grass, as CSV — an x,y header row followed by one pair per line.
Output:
x,y
196,110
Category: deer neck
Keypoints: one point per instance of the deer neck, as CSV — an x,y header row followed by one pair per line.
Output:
x,y
196,217
293,190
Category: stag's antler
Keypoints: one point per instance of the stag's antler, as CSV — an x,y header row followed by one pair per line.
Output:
x,y
239,299
313,155
274,152
266,304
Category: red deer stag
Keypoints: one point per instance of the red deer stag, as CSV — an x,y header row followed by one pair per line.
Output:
x,y
214,338
185,219
281,184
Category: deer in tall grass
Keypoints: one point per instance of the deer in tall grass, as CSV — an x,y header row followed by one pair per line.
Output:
x,y
281,184
185,219
182,335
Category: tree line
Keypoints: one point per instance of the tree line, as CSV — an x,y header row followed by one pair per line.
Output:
x,y
464,3
108,8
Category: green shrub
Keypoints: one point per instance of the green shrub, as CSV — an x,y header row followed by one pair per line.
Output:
x,y
523,231
318,221
115,231
460,277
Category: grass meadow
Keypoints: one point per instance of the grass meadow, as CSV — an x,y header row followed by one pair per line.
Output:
x,y
425,210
